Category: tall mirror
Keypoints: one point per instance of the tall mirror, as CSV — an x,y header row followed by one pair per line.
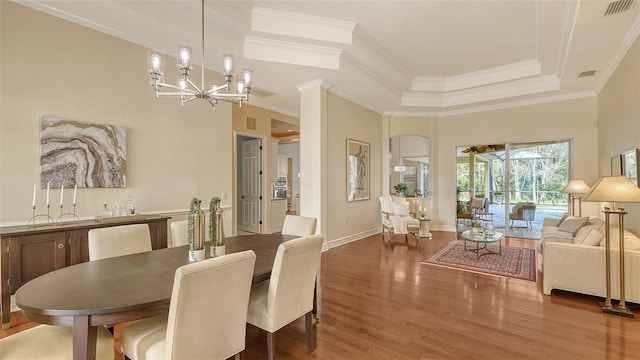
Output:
x,y
409,165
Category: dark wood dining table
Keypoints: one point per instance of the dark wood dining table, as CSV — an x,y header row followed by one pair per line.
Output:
x,y
124,288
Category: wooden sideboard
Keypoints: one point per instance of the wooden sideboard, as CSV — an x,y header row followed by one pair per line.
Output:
x,y
31,251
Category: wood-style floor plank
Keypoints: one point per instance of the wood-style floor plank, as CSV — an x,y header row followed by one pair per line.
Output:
x,y
376,301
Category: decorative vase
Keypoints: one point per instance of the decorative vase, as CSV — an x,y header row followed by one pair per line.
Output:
x,y
215,222
217,243
196,232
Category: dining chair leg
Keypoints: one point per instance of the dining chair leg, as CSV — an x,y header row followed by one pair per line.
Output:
x,y
237,357
307,325
271,346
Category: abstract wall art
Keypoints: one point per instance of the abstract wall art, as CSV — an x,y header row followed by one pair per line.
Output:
x,y
83,154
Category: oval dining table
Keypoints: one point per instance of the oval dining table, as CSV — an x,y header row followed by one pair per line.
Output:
x,y
124,288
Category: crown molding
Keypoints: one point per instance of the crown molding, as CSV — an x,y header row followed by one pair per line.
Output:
x,y
301,25
494,75
291,53
485,93
313,84
626,44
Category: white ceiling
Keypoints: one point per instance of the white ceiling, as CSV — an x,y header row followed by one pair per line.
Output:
x,y
423,58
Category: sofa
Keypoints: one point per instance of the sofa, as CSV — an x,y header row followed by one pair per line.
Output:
x,y
575,260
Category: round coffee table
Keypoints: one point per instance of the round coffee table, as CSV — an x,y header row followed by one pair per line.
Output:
x,y
483,239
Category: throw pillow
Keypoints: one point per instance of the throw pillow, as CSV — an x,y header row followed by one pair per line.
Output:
x,y
563,218
572,224
631,241
588,235
400,209
477,203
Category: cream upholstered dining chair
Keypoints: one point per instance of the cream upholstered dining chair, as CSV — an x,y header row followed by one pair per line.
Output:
x,y
118,241
51,342
179,233
289,293
207,313
299,225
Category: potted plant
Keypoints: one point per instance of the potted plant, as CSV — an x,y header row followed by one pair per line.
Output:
x,y
476,226
401,189
497,196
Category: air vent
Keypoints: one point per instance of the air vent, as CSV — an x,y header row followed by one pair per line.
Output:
x,y
587,73
251,123
618,6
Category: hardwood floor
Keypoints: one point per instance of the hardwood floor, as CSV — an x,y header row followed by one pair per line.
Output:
x,y
376,301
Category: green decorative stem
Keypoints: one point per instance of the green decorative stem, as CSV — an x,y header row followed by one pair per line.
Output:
x,y
193,209
213,219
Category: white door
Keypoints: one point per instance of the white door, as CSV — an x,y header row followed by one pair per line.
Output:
x,y
250,195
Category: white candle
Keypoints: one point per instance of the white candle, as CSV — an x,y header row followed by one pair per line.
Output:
x,y
75,190
48,183
61,193
34,195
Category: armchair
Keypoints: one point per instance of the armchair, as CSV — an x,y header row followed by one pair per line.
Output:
x,y
394,213
524,212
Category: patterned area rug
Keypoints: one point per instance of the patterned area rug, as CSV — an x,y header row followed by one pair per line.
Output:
x,y
517,263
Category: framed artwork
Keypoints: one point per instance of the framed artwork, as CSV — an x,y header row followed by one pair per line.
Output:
x,y
83,154
630,165
616,165
357,170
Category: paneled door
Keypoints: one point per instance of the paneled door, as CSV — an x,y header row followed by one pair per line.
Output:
x,y
251,198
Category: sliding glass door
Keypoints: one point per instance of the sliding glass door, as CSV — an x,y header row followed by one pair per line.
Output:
x,y
520,183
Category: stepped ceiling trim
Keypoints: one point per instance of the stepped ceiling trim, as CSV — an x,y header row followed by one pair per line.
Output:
x,y
300,25
435,57
479,78
485,93
292,53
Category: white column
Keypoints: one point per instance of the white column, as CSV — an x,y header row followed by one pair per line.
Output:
x,y
313,140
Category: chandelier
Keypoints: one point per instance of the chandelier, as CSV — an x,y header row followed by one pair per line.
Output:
x,y
187,90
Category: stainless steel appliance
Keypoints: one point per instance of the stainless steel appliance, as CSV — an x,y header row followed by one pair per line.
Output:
x,y
280,188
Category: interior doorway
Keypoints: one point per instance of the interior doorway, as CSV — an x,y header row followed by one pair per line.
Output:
x,y
249,184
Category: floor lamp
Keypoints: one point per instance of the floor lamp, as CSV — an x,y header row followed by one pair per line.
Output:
x,y
576,188
614,189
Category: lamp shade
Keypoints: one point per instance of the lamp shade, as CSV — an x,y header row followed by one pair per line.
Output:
x,y
613,189
576,186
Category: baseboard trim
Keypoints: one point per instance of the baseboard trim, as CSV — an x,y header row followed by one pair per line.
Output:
x,y
351,238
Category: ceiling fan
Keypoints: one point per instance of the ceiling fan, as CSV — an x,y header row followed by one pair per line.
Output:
x,y
483,149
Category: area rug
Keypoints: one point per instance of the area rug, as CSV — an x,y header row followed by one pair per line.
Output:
x,y
516,263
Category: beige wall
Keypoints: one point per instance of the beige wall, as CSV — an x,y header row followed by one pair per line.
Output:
x,y
346,120
567,120
619,121
54,67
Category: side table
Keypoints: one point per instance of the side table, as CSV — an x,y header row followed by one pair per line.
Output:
x,y
423,231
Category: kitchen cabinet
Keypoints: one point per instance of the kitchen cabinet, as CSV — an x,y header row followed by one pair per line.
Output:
x,y
278,212
31,251
274,160
283,165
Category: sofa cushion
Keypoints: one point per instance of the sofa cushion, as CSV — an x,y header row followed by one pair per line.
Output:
x,y
572,224
551,233
631,241
588,235
594,220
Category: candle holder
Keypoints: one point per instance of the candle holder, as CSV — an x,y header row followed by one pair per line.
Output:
x,y
74,217
34,216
